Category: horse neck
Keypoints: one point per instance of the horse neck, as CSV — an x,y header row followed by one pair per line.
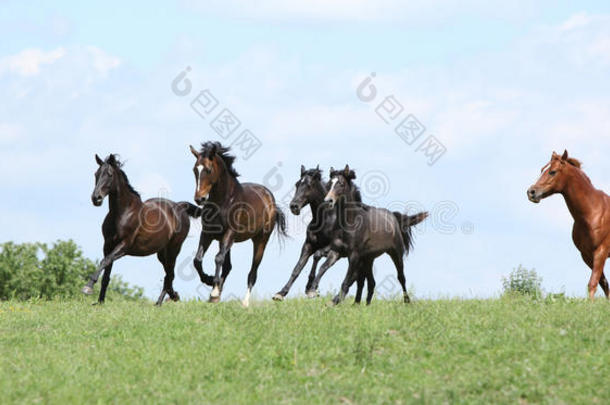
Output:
x,y
122,198
579,194
348,200
316,201
224,189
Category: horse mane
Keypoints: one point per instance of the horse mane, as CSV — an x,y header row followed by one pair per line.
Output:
x,y
575,162
114,161
352,175
211,149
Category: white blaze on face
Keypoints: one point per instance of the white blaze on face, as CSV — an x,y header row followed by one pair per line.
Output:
x,y
333,183
199,170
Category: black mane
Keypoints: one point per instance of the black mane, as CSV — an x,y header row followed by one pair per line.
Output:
x,y
352,175
113,160
211,149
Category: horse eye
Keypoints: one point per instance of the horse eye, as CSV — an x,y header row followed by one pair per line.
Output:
x,y
552,173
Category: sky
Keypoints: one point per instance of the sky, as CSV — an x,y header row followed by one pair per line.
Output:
x,y
496,87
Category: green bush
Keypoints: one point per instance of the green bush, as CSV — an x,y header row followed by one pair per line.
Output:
x,y
35,270
522,281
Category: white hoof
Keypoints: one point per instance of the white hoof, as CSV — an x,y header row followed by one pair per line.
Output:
x,y
312,294
87,290
278,297
215,292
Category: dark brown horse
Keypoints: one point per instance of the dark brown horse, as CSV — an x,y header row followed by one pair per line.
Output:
x,y
233,212
589,207
137,228
367,232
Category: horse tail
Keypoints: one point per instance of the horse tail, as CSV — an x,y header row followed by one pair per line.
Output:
x,y
406,222
193,211
280,224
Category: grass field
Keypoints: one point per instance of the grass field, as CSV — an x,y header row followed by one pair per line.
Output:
x,y
503,350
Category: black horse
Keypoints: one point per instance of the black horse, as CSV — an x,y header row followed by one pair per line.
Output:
x,y
137,228
321,231
368,232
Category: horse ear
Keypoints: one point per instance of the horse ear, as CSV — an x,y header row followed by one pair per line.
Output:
x,y
565,155
332,169
112,159
352,175
302,170
346,171
194,151
318,167
99,160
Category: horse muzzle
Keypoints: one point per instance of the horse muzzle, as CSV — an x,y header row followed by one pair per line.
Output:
x,y
533,195
201,200
97,200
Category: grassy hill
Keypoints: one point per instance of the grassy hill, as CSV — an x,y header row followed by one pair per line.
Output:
x,y
506,350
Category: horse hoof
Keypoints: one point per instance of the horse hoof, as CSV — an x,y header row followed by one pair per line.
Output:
x,y
245,304
87,290
278,297
176,298
214,300
312,294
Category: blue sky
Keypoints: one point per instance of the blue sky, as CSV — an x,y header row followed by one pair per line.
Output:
x,y
500,85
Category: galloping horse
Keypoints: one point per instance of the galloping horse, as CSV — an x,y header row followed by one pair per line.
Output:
x,y
589,207
368,232
137,228
233,212
321,230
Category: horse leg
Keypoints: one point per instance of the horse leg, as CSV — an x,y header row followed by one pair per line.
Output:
x,y
359,288
599,259
105,282
306,251
400,272
312,274
370,279
227,266
332,258
588,259
604,284
204,244
108,259
225,245
259,248
350,278
168,288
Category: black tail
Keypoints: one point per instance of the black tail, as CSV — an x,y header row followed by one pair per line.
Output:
x,y
193,211
406,222
280,224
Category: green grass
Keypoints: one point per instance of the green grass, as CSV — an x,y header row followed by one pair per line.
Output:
x,y
506,350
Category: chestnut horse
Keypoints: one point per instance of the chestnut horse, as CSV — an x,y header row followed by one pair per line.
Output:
x,y
137,228
233,212
589,207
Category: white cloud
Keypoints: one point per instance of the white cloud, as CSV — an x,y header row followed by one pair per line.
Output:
x,y
102,61
29,61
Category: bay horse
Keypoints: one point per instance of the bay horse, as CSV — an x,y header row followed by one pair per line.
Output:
x,y
589,207
368,232
137,228
233,212
311,190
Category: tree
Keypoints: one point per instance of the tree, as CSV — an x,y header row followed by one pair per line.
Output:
x,y
35,270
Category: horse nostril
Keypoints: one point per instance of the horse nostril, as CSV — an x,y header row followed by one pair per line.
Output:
x,y
532,192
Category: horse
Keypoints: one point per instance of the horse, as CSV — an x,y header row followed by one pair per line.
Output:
x,y
233,212
311,190
136,228
589,207
368,232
